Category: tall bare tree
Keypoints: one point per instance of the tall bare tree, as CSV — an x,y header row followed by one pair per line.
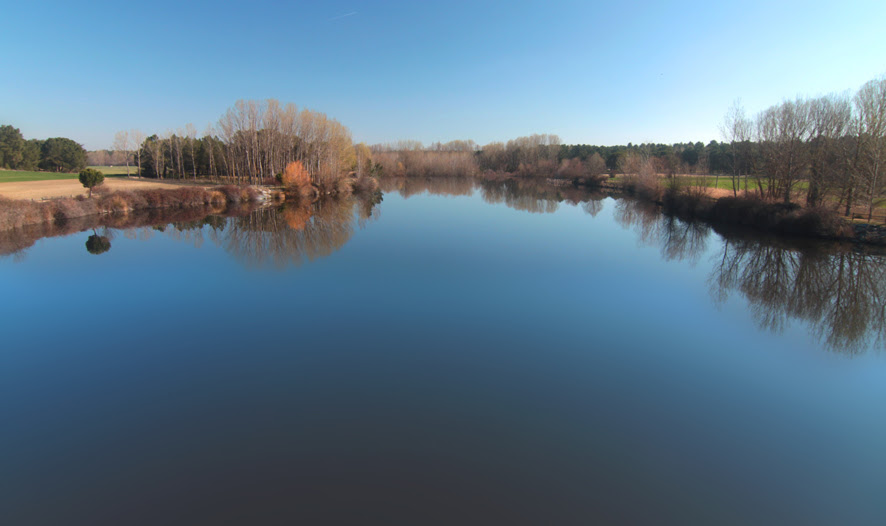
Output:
x,y
830,116
191,137
870,132
137,137
736,128
122,143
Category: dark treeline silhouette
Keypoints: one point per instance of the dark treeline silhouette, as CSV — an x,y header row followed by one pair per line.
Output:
x,y
57,154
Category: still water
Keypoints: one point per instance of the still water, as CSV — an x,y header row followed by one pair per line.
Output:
x,y
458,353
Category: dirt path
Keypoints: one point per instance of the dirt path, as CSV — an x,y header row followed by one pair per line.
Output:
x,y
67,188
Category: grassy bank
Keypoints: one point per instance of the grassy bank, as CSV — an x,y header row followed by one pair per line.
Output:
x,y
21,176
111,171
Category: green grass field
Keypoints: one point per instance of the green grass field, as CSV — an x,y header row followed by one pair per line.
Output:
x,y
111,171
19,176
725,182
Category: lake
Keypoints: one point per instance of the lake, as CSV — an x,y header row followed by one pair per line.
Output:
x,y
456,353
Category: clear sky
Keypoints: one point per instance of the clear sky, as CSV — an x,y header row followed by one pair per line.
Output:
x,y
600,73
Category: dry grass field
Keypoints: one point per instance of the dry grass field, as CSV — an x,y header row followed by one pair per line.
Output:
x,y
72,187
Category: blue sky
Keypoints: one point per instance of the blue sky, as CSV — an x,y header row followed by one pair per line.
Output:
x,y
605,73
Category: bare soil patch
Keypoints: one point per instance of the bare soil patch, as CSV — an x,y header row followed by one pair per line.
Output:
x,y
69,188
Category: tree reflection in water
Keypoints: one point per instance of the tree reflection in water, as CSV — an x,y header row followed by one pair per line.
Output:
x,y
678,240
841,292
838,289
540,197
410,186
293,235
524,194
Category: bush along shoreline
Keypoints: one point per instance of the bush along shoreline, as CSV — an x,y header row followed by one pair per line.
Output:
x,y
16,213
790,219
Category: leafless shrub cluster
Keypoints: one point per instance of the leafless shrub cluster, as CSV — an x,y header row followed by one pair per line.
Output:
x,y
426,163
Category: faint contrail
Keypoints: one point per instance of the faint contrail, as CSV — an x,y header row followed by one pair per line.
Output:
x,y
352,13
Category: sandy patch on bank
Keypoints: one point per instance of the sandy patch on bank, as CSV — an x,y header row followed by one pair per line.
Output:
x,y
71,187
717,193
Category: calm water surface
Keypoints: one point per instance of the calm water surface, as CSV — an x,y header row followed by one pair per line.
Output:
x,y
476,354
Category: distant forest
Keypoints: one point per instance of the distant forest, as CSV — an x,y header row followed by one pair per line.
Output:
x,y
833,148
57,154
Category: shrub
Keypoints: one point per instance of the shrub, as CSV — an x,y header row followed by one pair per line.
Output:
x,y
295,175
366,185
97,244
91,178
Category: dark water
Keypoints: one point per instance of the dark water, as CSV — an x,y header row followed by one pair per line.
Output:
x,y
480,354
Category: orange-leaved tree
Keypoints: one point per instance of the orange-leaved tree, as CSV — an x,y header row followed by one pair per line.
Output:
x,y
295,175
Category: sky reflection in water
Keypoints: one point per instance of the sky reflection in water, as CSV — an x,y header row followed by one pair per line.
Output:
x,y
459,352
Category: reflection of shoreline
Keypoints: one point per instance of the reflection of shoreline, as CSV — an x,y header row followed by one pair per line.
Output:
x,y
410,186
17,240
292,235
524,194
838,288
254,234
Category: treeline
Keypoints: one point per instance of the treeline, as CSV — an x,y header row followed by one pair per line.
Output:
x,y
106,158
835,143
543,155
57,154
829,149
252,143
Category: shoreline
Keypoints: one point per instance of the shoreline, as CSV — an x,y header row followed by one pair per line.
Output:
x,y
749,211
687,203
19,213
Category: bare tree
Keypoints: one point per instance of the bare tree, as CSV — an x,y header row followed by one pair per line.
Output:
x,y
208,139
829,119
870,132
191,136
736,128
137,138
782,132
123,144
